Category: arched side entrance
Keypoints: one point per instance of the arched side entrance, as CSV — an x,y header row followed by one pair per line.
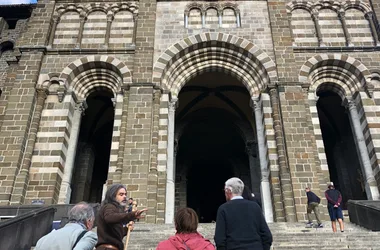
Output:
x,y
216,53
340,149
334,99
93,150
95,84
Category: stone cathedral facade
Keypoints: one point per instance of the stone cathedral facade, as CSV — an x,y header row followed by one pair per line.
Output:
x,y
171,98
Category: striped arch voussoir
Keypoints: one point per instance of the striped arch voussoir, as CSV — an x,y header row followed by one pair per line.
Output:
x,y
299,4
89,63
178,60
342,67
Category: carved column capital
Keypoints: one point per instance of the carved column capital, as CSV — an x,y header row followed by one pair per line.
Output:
x,y
273,92
341,14
82,15
369,15
135,17
81,107
350,104
256,104
114,101
315,16
56,19
42,93
173,104
110,18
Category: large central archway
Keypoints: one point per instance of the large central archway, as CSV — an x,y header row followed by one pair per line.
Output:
x,y
217,54
214,124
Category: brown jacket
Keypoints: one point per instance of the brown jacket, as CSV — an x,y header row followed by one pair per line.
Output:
x,y
110,220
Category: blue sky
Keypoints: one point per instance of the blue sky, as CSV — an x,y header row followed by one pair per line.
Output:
x,y
8,2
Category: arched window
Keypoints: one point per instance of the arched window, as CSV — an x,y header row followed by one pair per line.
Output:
x,y
212,19
94,30
359,28
67,31
195,19
303,28
122,29
331,28
229,18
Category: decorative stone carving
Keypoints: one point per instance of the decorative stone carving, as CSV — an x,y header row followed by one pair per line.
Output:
x,y
61,92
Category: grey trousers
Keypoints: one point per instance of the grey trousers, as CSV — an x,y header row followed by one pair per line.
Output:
x,y
314,206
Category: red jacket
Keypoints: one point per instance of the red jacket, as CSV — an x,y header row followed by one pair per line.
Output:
x,y
194,241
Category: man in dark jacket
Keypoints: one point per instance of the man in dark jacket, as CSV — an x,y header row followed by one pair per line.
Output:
x,y
240,224
312,205
112,217
334,199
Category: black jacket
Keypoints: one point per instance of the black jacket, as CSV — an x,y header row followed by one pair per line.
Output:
x,y
240,225
311,197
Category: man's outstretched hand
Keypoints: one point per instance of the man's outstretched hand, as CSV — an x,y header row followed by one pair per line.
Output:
x,y
138,213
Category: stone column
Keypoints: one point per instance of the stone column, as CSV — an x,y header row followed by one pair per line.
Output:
x,y
155,128
370,182
238,23
265,185
285,178
220,14
135,19
372,25
170,171
153,170
81,27
65,191
123,132
186,19
52,32
342,18
203,13
315,17
108,29
22,179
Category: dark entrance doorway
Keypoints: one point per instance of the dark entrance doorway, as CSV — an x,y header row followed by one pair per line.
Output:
x,y
211,141
93,151
341,152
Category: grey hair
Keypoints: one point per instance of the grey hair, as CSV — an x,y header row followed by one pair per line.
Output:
x,y
235,185
81,212
111,193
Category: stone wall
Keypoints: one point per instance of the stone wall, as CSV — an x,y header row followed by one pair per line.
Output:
x,y
34,142
170,26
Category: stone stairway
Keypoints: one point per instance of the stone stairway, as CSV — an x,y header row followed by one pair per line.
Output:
x,y
285,235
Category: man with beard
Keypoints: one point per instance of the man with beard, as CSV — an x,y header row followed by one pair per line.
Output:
x,y
112,217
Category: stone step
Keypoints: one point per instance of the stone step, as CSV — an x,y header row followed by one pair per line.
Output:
x,y
286,236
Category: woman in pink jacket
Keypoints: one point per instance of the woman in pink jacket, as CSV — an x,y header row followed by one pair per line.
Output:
x,y
187,237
